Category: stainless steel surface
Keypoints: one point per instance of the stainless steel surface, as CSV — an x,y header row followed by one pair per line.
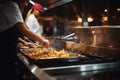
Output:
x,y
104,36
34,69
84,67
94,50
59,73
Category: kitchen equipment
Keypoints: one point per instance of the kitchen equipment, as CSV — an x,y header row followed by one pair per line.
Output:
x,y
40,56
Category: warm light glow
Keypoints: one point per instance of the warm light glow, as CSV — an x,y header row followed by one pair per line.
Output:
x,y
110,46
118,9
94,39
93,31
90,19
105,18
79,19
106,10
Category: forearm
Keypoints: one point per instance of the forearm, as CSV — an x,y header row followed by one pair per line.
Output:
x,y
21,40
28,33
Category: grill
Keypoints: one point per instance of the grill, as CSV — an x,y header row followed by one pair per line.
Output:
x,y
102,57
74,68
104,61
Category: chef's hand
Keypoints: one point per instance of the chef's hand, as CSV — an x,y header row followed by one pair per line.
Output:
x,y
29,44
45,43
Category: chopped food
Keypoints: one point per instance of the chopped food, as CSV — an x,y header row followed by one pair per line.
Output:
x,y
40,53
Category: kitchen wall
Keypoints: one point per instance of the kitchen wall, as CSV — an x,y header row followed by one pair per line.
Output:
x,y
104,36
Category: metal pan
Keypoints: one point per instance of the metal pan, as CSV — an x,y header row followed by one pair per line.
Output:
x,y
74,58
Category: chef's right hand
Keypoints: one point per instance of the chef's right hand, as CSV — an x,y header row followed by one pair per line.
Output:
x,y
45,43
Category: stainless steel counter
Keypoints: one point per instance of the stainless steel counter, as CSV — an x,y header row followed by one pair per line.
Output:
x,y
102,62
74,72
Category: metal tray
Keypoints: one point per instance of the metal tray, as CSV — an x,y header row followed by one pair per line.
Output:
x,y
76,57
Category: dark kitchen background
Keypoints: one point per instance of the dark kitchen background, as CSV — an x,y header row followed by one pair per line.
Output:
x,y
99,12
62,16
95,22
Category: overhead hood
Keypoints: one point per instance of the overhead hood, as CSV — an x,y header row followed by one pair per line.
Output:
x,y
48,4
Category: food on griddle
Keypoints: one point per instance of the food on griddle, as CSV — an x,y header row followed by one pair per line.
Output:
x,y
20,45
34,45
40,53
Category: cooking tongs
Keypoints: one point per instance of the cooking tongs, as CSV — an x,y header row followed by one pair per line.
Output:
x,y
69,35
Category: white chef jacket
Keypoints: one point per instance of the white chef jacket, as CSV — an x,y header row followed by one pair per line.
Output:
x,y
33,24
10,14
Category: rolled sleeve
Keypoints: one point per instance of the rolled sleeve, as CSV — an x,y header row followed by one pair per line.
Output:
x,y
13,14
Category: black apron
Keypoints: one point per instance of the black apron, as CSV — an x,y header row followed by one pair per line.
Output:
x,y
8,47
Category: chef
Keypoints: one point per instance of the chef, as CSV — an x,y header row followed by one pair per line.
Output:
x,y
11,26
